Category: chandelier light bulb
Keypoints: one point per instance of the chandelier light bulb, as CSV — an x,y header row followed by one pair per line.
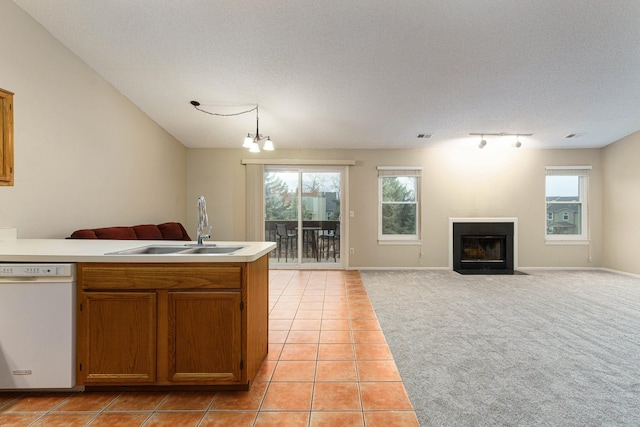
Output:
x,y
268,144
247,141
254,148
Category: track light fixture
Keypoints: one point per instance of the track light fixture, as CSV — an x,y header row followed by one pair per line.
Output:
x,y
251,141
516,144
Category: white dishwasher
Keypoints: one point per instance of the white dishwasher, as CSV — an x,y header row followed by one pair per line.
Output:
x,y
37,326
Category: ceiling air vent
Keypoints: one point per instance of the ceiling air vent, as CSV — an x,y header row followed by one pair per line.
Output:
x,y
424,135
573,135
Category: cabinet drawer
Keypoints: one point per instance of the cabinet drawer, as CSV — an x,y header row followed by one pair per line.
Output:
x,y
159,276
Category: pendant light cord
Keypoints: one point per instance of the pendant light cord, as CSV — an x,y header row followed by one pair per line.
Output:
x,y
196,105
268,144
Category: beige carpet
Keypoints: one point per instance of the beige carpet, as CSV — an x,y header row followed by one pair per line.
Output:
x,y
552,348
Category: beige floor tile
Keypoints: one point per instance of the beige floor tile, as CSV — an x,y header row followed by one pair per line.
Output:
x,y
336,396
228,419
338,419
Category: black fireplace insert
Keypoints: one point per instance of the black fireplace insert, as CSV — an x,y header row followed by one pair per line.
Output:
x,y
483,247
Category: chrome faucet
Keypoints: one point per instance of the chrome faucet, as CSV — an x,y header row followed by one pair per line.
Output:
x,y
203,221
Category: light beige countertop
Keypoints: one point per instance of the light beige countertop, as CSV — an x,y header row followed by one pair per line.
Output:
x,y
89,250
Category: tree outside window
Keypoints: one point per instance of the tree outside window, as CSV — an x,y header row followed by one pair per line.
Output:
x,y
320,196
399,204
281,202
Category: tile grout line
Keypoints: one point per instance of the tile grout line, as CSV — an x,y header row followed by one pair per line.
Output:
x,y
355,356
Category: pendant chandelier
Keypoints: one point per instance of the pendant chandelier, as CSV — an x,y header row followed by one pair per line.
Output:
x,y
252,140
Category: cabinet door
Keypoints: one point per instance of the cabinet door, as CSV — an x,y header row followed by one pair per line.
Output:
x,y
117,338
6,137
205,333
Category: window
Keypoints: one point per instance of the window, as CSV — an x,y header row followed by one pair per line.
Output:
x,y
303,213
566,190
399,203
6,137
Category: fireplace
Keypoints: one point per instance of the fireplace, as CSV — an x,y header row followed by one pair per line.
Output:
x,y
483,247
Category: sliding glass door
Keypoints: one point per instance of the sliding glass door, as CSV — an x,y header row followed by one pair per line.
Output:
x,y
303,211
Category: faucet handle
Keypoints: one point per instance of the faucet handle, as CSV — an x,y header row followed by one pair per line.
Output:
x,y
202,235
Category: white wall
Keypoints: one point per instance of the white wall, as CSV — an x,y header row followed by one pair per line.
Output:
x,y
84,155
622,204
465,183
218,175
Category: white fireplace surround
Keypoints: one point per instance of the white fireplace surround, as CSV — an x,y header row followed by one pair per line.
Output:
x,y
485,219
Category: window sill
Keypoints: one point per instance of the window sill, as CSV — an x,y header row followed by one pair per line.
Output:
x,y
400,242
568,242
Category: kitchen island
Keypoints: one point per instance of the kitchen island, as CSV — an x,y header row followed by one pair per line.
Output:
x,y
162,320
99,250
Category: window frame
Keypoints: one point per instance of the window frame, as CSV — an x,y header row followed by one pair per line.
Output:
x,y
582,173
400,171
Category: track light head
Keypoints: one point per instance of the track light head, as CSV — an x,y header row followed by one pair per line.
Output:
x,y
483,142
517,144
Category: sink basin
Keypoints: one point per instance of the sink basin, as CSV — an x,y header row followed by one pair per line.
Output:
x,y
178,250
213,250
150,250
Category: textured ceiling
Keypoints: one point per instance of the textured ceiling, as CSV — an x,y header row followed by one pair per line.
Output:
x,y
366,73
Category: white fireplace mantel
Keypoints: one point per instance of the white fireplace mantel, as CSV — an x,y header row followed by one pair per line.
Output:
x,y
485,219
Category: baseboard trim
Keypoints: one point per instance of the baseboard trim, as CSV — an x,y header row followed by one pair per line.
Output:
x,y
400,268
523,269
624,273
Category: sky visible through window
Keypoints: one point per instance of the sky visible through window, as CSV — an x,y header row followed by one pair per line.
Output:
x,y
562,186
326,181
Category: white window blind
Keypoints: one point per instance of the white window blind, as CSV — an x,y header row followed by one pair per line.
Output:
x,y
568,170
399,171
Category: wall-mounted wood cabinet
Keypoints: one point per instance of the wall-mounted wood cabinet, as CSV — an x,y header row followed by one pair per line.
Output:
x,y
6,137
198,324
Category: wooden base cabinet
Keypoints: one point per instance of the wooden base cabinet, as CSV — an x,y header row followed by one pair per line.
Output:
x,y
198,324
119,337
204,337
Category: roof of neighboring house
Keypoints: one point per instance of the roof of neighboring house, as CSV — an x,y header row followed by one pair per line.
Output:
x,y
559,207
562,224
562,198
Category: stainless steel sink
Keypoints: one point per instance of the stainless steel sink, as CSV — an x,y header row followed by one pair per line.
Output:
x,y
150,250
213,250
178,250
